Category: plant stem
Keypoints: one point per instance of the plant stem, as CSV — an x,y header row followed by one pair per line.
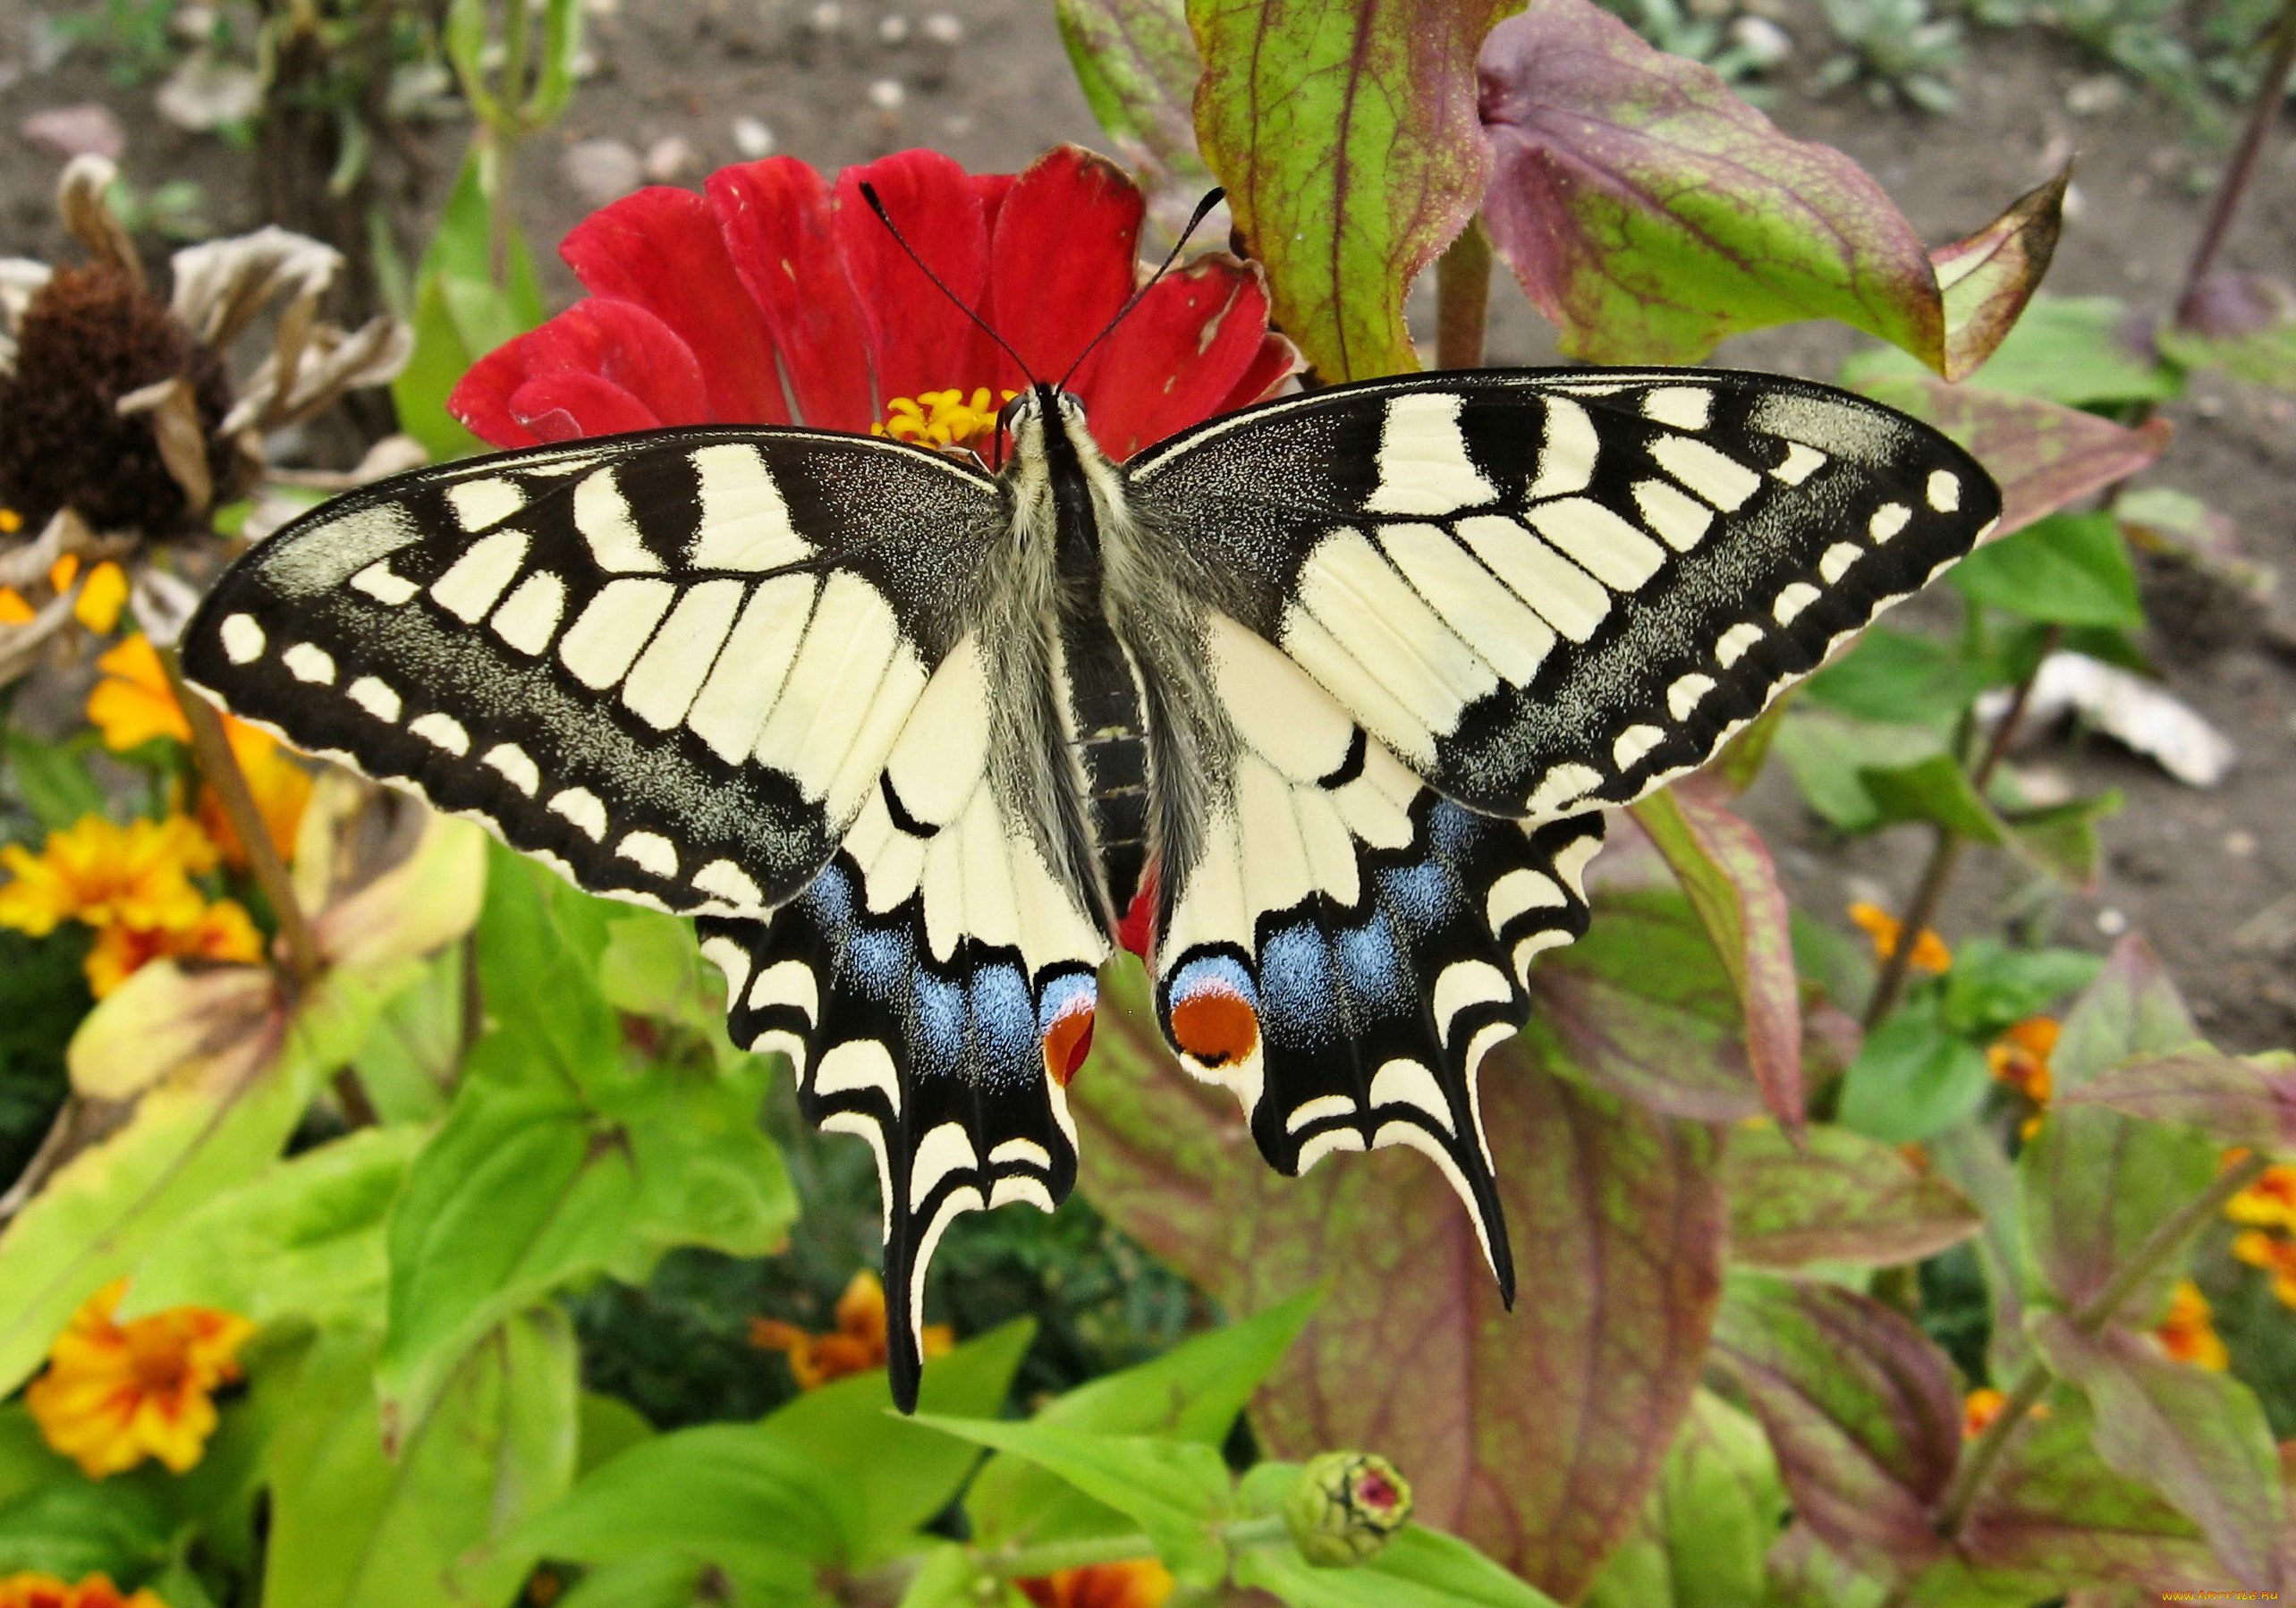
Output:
x,y
2239,171
220,767
2089,1318
503,137
1462,298
1946,853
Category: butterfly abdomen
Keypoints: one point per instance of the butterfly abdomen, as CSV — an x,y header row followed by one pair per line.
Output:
x,y
1110,741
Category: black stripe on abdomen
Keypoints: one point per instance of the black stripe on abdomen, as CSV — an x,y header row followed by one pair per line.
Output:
x,y
1103,703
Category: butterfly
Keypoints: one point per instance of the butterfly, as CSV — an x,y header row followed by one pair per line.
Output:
x,y
1323,697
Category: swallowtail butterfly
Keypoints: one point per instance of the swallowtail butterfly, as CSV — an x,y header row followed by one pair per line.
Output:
x,y
1333,688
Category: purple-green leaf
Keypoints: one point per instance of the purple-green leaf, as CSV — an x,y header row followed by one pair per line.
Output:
x,y
1733,886
1648,212
1986,278
2045,455
2236,1100
2095,1182
2052,1507
1862,1408
1347,139
1839,1197
1535,1434
1643,1006
2196,1437
1135,62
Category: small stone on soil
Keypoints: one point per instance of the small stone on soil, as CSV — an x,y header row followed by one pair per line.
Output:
x,y
87,130
752,137
602,170
668,159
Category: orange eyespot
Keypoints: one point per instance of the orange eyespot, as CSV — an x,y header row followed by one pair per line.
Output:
x,y
1067,1042
1216,1026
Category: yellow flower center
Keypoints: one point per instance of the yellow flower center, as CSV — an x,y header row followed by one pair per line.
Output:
x,y
158,1355
948,421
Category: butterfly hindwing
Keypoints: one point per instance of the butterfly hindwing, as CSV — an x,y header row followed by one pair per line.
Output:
x,y
1549,591
934,989
1348,944
671,663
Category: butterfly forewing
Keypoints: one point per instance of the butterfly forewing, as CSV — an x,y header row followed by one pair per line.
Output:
x,y
1548,591
671,663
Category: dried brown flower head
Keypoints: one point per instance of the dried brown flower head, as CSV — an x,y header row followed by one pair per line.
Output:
x,y
89,337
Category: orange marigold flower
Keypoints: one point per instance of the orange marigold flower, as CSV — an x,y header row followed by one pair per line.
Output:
x,y
2020,1057
45,1591
2186,1333
138,876
1133,1583
856,1346
1979,1409
223,932
2276,1255
1929,951
2270,1202
117,1393
132,704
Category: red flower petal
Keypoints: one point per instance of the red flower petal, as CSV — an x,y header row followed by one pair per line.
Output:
x,y
566,407
918,339
1062,262
619,343
661,249
1198,339
775,215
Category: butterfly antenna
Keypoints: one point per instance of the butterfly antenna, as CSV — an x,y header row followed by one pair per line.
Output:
x,y
869,194
1196,221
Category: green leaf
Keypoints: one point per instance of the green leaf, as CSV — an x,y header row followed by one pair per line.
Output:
x,y
2247,326
2062,838
541,943
1703,1536
1992,986
2044,455
900,1475
2072,349
305,1239
2096,1183
1420,1568
1620,1223
1863,1412
1936,789
1897,677
1346,137
1650,213
1969,1157
606,1427
948,1577
2196,1437
434,369
1174,1490
1828,756
1192,1392
2069,569
1912,1078
524,1188
79,1526
353,1529
207,1127
1839,1197
1734,886
49,780
410,1059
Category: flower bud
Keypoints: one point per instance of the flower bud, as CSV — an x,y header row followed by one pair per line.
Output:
x,y
1345,1506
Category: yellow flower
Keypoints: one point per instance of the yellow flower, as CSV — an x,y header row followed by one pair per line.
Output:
x,y
856,1345
2276,1255
1979,1409
114,1394
136,875
223,932
941,418
2270,1202
13,609
132,704
1929,951
1133,1583
2187,1334
45,1591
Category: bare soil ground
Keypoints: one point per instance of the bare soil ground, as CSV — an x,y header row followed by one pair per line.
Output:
x,y
2210,876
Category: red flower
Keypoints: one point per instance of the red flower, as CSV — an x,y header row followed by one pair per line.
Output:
x,y
777,298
